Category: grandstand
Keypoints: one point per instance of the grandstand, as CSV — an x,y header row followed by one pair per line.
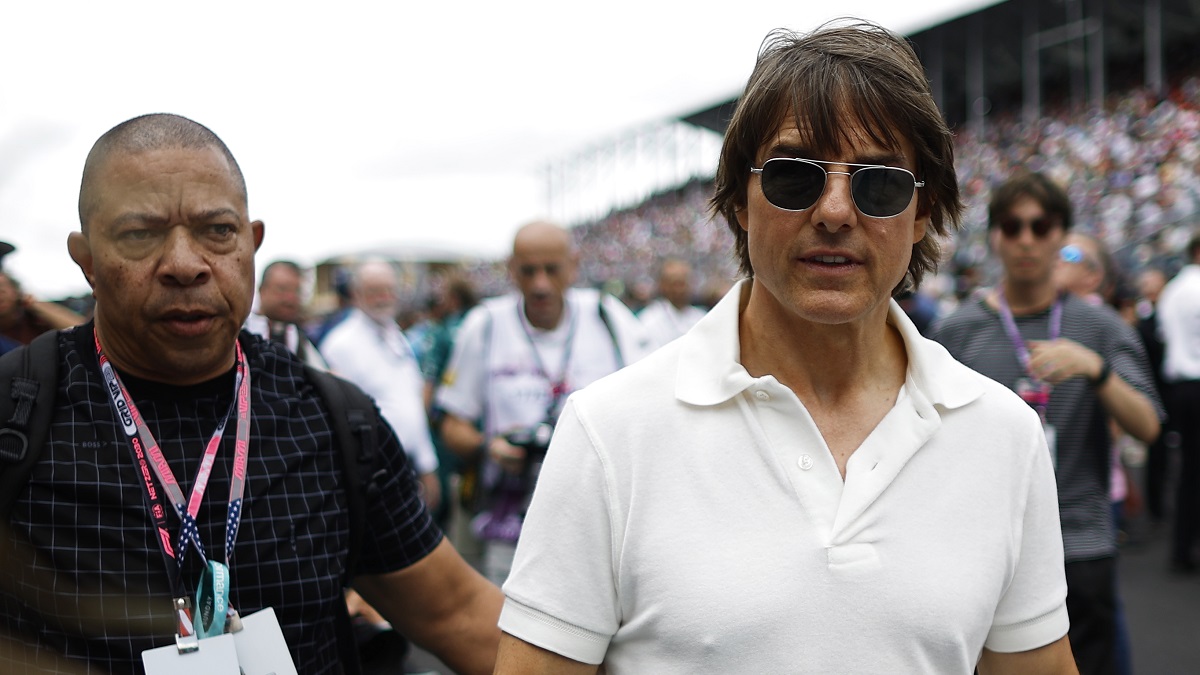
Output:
x,y
1101,94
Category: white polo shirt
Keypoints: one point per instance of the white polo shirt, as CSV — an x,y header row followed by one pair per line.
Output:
x,y
690,518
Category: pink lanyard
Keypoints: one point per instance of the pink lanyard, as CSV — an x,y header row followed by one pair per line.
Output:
x,y
148,456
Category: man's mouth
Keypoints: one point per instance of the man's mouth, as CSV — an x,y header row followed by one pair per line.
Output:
x,y
829,259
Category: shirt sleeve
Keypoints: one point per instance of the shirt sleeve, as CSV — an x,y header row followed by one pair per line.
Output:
x,y
562,592
1032,612
399,529
463,384
1126,355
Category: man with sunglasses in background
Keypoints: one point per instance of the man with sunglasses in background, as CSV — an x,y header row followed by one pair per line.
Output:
x,y
1077,364
802,483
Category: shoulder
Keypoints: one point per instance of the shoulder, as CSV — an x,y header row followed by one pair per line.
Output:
x,y
626,392
1094,323
971,316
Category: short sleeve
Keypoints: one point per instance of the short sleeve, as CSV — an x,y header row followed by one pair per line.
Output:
x,y
1032,612
562,592
399,530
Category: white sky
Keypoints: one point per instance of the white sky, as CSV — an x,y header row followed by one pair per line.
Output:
x,y
363,124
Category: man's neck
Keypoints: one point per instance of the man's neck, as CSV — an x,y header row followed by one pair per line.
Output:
x,y
1029,298
826,362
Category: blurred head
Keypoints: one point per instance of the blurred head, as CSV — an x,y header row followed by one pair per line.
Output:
x,y
543,266
10,295
675,282
1028,219
376,290
1150,282
1084,267
279,292
831,85
168,248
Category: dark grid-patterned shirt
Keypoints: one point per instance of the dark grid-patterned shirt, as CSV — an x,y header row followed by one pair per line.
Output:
x,y
98,591
975,336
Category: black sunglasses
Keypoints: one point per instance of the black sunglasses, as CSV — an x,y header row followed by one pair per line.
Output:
x,y
1012,227
795,184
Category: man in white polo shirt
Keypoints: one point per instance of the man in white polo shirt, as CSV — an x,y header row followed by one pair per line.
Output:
x,y
802,483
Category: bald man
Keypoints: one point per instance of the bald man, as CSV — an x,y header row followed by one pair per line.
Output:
x,y
103,546
516,359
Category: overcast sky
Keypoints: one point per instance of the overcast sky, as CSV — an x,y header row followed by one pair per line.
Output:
x,y
363,124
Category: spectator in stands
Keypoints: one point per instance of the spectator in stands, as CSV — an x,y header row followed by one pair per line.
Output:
x,y
784,488
1077,364
280,311
515,360
24,317
1179,319
672,314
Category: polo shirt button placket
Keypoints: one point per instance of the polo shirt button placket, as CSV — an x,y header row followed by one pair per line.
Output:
x,y
805,462
762,395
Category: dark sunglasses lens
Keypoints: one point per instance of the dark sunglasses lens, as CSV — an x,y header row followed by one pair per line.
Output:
x,y
792,185
882,192
1012,228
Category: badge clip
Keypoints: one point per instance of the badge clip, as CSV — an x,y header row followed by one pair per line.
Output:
x,y
185,640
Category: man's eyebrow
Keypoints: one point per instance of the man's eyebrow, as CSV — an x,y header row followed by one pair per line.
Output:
x,y
215,214
788,150
880,157
138,217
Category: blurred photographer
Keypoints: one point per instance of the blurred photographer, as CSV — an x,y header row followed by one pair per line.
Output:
x,y
515,361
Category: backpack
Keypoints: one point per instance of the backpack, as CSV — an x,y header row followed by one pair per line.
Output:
x,y
31,373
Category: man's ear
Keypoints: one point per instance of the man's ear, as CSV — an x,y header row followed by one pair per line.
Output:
x,y
259,230
80,249
741,218
922,227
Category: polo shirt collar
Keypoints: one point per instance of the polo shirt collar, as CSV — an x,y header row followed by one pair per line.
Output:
x,y
710,370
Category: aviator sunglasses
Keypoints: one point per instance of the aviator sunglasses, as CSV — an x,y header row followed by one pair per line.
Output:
x,y
795,184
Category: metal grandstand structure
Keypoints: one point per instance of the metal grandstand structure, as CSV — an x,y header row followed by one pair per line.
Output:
x,y
1013,57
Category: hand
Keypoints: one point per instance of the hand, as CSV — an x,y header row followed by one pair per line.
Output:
x,y
1054,361
511,458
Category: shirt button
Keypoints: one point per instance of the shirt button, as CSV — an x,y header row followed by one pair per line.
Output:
x,y
805,462
762,395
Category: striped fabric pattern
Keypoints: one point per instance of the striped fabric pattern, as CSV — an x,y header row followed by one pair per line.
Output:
x,y
975,336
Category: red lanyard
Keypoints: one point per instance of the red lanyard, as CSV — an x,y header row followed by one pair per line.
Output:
x,y
149,458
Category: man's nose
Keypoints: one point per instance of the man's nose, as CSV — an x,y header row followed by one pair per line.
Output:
x,y
183,262
835,207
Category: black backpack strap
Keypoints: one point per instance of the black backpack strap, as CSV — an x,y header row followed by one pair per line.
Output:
x,y
30,376
612,334
352,415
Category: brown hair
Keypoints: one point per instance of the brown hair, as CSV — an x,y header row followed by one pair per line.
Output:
x,y
1050,195
830,79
